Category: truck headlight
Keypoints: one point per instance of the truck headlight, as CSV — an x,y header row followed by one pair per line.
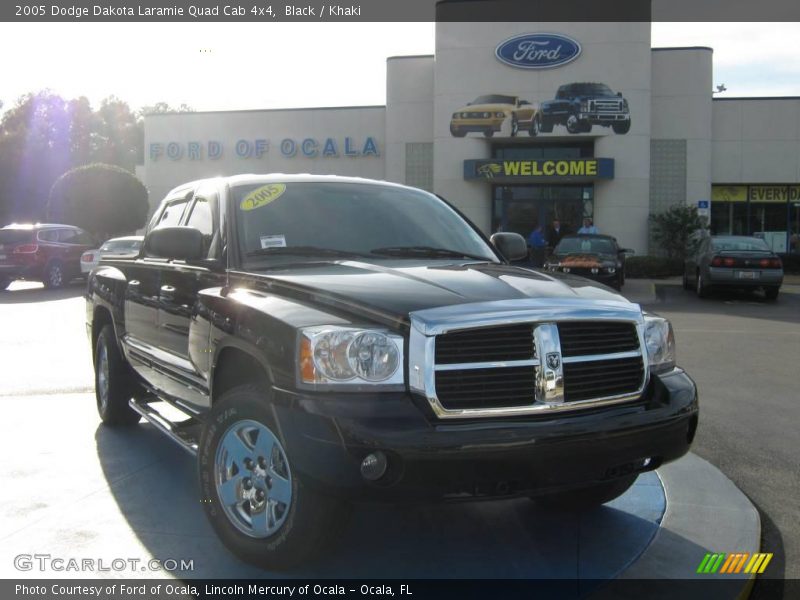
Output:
x,y
333,355
584,106
660,342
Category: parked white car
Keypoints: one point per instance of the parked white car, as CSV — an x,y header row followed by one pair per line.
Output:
x,y
121,246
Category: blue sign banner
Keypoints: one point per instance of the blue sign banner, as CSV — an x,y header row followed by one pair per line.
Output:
x,y
567,169
538,50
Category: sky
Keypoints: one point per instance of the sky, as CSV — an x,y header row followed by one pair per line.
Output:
x,y
219,66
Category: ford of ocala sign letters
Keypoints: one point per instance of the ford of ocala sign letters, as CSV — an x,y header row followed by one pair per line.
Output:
x,y
538,50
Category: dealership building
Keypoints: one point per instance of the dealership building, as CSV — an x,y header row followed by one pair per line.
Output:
x,y
518,124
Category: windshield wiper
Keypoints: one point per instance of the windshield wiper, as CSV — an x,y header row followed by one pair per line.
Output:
x,y
426,251
303,251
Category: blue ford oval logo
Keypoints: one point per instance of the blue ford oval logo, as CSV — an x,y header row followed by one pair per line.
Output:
x,y
538,50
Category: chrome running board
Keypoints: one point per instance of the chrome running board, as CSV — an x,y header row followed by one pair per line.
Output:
x,y
180,433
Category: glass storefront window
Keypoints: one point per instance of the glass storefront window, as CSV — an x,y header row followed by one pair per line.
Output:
x,y
521,208
729,218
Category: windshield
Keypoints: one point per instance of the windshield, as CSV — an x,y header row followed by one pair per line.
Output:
x,y
362,219
494,99
742,244
15,236
585,245
585,89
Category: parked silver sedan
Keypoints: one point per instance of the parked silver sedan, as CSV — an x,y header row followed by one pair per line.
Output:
x,y
121,246
733,261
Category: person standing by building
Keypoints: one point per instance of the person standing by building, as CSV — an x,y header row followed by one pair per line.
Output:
x,y
588,227
555,234
538,244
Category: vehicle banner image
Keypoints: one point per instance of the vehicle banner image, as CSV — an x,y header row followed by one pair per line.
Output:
x,y
576,108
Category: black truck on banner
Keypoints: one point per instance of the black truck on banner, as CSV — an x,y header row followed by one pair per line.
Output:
x,y
331,339
579,106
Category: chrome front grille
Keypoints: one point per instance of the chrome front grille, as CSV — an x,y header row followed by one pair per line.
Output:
x,y
527,361
501,343
607,105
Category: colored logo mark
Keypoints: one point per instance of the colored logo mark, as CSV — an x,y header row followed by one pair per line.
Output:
x,y
736,562
538,50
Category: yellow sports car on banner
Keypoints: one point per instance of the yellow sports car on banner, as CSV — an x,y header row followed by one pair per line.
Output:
x,y
487,115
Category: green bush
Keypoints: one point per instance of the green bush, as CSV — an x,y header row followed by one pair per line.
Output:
x,y
652,267
105,200
674,230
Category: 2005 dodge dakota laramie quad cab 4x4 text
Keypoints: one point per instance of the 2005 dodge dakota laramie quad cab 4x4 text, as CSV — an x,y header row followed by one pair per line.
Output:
x,y
332,339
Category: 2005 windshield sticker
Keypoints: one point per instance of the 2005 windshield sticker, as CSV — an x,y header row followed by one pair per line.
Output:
x,y
262,196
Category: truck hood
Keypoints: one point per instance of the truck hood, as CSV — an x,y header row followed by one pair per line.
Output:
x,y
390,290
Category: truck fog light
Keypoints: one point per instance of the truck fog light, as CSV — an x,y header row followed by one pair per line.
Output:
x,y
565,269
595,270
374,465
646,462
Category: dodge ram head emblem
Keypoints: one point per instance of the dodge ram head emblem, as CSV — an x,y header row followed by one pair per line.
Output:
x,y
550,374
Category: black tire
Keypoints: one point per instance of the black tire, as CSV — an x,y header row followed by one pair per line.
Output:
x,y
488,133
302,529
456,132
514,126
54,275
702,289
4,283
574,125
113,396
771,293
545,125
536,126
586,498
586,127
621,128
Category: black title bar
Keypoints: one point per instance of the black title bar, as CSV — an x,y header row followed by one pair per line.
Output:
x,y
275,11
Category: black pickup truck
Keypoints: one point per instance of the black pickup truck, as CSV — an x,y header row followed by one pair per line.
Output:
x,y
579,106
331,339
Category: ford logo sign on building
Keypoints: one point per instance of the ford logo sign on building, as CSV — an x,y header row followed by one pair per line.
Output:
x,y
538,50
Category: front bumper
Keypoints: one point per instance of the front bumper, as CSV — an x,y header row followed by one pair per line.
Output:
x,y
599,118
477,125
327,437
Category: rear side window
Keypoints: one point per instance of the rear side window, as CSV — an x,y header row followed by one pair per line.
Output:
x,y
15,236
48,235
68,236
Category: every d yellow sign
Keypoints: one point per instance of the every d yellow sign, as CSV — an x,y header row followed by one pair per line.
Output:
x,y
262,196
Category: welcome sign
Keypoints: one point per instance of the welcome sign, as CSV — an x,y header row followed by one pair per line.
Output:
x,y
507,171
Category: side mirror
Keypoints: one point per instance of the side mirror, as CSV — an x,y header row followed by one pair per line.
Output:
x,y
619,94
511,245
179,243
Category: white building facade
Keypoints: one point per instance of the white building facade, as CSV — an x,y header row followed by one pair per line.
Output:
x,y
518,124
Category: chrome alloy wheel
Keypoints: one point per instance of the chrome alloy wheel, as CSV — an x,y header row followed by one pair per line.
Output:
x,y
253,479
102,374
55,276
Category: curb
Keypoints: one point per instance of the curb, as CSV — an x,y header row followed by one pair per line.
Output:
x,y
705,512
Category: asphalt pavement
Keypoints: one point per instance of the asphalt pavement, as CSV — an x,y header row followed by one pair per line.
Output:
x,y
744,354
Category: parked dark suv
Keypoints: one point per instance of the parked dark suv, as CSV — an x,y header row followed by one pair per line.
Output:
x,y
44,252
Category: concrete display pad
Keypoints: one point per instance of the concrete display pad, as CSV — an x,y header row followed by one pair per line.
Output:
x,y
75,488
